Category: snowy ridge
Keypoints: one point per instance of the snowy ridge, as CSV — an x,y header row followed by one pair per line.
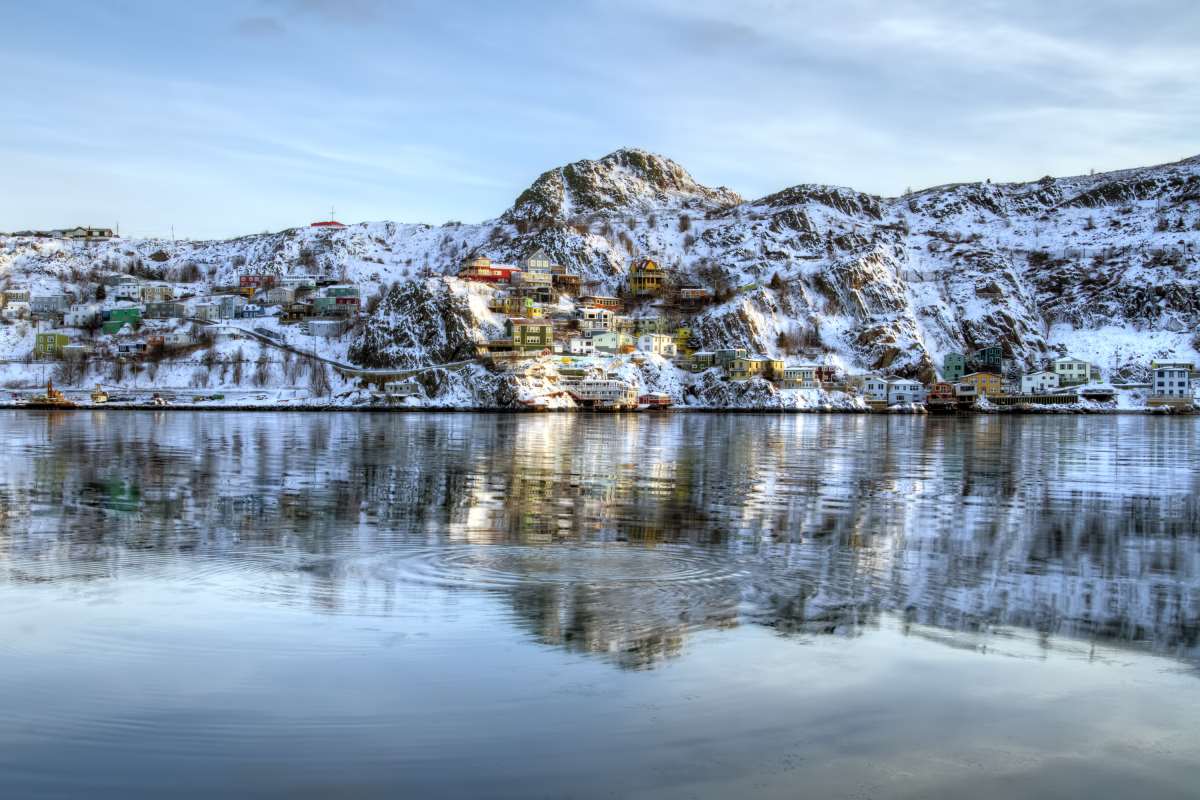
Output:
x,y
1103,266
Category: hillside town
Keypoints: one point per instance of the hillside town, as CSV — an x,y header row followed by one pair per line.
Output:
x,y
588,347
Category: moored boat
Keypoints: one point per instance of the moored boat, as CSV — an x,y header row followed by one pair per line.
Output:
x,y
654,401
53,398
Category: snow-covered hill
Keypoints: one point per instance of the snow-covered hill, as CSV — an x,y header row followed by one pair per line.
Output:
x,y
1104,266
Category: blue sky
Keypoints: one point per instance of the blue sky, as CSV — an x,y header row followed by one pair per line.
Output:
x,y
229,118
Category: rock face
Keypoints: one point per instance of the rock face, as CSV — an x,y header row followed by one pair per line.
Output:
x,y
1104,266
627,181
417,322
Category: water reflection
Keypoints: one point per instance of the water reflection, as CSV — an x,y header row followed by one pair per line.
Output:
x,y
623,535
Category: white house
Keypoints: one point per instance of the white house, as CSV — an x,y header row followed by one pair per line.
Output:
x,y
80,315
177,339
156,293
595,320
1042,382
658,343
606,391
1073,371
875,388
1171,378
904,390
612,341
581,346
128,288
207,311
800,376
17,309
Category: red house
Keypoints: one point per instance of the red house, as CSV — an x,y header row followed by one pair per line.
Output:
x,y
332,223
482,269
256,281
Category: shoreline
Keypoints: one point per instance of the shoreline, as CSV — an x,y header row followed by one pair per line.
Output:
x,y
310,408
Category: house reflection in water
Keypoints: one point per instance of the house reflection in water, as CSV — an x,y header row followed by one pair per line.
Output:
x,y
620,535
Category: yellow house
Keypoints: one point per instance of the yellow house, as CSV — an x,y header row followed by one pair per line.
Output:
x,y
987,384
682,337
646,277
751,366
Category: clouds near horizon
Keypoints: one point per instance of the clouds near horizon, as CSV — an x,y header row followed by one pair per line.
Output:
x,y
228,118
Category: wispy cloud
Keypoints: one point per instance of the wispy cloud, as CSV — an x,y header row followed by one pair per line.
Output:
x,y
247,116
259,26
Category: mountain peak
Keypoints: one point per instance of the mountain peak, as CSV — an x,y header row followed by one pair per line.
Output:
x,y
629,179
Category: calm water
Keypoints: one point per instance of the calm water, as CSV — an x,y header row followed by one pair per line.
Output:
x,y
689,605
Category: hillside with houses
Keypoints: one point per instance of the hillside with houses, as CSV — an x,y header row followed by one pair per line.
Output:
x,y
624,283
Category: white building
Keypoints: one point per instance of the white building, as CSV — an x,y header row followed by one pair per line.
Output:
x,y
1042,382
658,343
1073,371
81,315
875,388
298,281
325,328
612,341
903,391
581,346
401,389
207,311
595,320
800,376
128,288
1171,379
606,392
177,339
17,309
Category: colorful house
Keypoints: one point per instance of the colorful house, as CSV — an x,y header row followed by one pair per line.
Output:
x,y
130,314
49,344
529,334
987,359
683,338
748,367
702,360
986,384
646,277
600,301
725,358
954,366
482,270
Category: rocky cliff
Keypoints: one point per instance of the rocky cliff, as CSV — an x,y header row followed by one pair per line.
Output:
x,y
1103,266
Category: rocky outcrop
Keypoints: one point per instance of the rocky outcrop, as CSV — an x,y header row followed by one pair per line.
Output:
x,y
417,322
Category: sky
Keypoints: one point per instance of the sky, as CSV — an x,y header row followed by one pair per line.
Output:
x,y
219,119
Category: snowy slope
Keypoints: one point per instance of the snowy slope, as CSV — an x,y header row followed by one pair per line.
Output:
x,y
1104,266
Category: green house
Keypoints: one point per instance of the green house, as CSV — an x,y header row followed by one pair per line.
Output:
x,y
50,344
954,366
530,334
131,314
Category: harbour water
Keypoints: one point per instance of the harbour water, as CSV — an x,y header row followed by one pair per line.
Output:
x,y
667,606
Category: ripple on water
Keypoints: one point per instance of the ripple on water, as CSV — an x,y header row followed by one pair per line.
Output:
x,y
601,565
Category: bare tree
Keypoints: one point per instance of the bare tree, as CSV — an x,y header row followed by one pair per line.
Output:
x,y
318,378
262,372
